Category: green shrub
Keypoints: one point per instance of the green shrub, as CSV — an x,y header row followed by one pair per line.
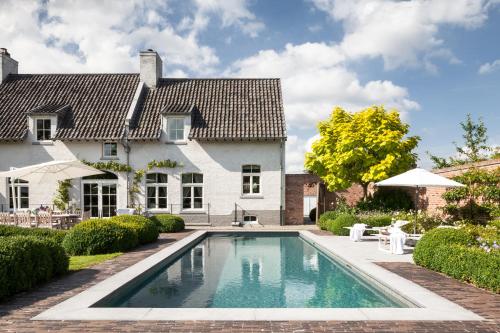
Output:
x,y
26,261
326,218
97,236
469,264
494,223
337,226
168,222
10,230
426,254
147,231
425,222
387,199
376,220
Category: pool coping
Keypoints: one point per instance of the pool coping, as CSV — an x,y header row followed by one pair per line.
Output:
x,y
431,305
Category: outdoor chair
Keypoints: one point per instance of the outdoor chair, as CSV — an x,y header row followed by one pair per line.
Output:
x,y
5,219
47,220
23,219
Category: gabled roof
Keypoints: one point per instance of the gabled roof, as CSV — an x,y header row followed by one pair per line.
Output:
x,y
95,106
98,103
222,109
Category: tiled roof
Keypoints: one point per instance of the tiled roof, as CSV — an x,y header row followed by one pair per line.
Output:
x,y
96,105
222,109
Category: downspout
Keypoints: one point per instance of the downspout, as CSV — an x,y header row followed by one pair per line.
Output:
x,y
125,140
282,183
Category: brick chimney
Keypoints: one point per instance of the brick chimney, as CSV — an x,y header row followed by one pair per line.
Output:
x,y
151,67
7,64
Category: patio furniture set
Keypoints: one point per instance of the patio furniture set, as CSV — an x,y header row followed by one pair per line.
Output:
x,y
42,219
390,234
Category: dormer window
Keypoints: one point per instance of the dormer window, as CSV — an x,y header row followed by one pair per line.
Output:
x,y
109,150
43,129
175,129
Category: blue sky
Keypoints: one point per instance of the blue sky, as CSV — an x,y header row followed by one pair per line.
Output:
x,y
434,60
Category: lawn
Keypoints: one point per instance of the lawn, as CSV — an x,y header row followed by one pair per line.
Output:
x,y
81,262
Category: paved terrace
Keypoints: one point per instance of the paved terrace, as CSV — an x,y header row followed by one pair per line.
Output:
x,y
15,314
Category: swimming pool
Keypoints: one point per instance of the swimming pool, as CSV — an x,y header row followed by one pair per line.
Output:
x,y
252,270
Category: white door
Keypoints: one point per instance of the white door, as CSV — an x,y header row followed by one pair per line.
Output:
x,y
310,202
99,197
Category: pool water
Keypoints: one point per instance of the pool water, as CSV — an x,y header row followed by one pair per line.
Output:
x,y
253,271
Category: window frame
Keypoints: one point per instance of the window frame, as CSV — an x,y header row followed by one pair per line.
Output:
x,y
104,156
35,128
18,184
192,185
170,119
156,185
252,174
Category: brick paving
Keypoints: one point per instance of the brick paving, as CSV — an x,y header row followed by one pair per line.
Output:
x,y
15,314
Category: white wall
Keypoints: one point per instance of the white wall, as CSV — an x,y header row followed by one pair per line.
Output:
x,y
219,162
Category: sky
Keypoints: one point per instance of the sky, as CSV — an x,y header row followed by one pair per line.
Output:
x,y
434,61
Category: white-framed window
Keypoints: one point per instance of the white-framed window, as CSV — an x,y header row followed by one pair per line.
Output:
x,y
251,219
192,191
175,129
109,150
43,129
22,190
251,179
156,190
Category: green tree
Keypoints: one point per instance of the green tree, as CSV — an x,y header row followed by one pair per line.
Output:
x,y
363,147
475,137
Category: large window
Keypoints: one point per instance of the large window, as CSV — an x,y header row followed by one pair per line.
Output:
x,y
42,129
109,150
175,128
251,179
21,189
192,191
156,190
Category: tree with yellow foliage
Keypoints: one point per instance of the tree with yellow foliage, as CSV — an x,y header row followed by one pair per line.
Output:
x,y
367,146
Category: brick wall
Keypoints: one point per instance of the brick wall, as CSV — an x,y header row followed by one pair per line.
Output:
x,y
296,185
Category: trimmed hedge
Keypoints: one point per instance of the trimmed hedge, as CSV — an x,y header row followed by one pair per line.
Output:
x,y
344,220
376,220
469,264
326,218
26,261
10,230
425,251
98,236
168,222
147,231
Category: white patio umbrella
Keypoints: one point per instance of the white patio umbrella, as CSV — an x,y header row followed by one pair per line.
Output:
x,y
418,178
49,171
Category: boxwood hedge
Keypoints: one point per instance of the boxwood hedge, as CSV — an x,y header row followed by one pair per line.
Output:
x,y
26,261
168,222
147,231
97,236
326,218
10,230
337,226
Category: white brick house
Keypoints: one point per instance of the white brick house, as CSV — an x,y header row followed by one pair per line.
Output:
x,y
226,136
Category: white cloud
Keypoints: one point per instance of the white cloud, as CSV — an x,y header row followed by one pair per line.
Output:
x,y
489,67
403,33
231,12
104,36
315,78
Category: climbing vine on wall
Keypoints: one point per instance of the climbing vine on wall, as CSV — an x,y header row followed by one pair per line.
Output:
x,y
109,165
61,200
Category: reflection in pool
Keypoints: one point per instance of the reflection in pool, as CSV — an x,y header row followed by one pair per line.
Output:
x,y
253,271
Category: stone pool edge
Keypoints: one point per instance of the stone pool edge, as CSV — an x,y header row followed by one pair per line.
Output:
x,y
433,307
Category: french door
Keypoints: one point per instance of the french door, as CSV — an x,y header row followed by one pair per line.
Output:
x,y
99,197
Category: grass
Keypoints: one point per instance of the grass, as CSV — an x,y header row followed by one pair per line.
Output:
x,y
81,262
